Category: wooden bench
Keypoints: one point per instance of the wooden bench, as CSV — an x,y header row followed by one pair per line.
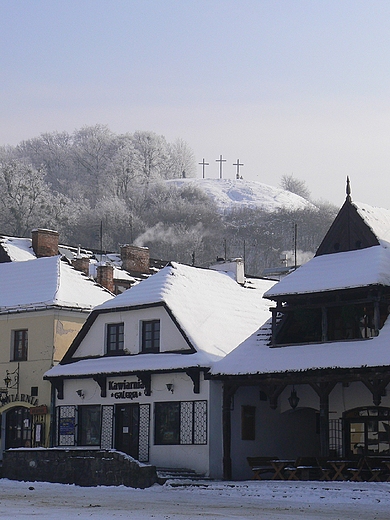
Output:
x,y
260,466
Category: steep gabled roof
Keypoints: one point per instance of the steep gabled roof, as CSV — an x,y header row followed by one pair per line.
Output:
x,y
354,253
209,307
214,311
377,219
47,282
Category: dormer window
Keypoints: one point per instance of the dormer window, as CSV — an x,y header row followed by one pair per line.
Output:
x,y
150,336
114,339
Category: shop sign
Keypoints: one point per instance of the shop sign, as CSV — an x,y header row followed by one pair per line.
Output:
x,y
24,398
39,410
125,389
67,425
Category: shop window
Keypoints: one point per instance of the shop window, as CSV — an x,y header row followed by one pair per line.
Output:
x,y
182,422
248,423
19,345
150,336
114,338
167,423
368,431
89,425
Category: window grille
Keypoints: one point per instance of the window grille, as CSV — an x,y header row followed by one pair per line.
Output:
x,y
107,427
66,420
336,437
144,427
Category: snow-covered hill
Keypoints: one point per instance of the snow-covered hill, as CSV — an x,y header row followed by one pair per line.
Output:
x,y
237,194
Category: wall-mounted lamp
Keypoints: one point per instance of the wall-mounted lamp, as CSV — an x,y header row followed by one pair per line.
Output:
x,y
11,379
170,387
293,399
80,393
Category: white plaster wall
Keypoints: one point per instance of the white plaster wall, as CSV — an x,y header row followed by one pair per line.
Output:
x,y
170,337
265,443
194,457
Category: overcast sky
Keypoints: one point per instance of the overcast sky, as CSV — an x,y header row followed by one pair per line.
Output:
x,y
286,86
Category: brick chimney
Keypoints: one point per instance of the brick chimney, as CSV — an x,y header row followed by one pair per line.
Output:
x,y
105,276
44,242
81,263
135,258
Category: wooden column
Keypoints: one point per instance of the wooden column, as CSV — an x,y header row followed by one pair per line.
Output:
x,y
323,390
324,320
228,393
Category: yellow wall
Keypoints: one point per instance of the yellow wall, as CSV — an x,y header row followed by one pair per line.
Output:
x,y
50,334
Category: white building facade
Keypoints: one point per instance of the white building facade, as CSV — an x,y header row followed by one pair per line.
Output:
x,y
134,378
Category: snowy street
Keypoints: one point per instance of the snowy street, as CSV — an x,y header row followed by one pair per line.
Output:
x,y
215,500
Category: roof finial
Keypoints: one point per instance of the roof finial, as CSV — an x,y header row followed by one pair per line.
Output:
x,y
348,190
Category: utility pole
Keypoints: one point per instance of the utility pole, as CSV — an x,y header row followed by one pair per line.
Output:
x,y
220,160
238,164
203,164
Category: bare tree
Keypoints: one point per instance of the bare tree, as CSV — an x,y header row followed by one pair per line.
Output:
x,y
294,185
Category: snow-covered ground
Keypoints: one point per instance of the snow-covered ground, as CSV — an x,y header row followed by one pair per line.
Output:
x,y
217,500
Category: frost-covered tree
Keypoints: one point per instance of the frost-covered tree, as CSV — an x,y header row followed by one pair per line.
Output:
x,y
181,160
297,186
26,198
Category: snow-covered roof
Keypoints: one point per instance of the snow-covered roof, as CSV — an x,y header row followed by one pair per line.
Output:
x,y
214,312
350,269
378,219
255,356
237,194
47,282
18,249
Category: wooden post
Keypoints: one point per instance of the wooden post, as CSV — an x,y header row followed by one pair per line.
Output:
x,y
228,393
323,390
324,425
324,327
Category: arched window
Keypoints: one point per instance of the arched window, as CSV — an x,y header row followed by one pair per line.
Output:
x,y
18,428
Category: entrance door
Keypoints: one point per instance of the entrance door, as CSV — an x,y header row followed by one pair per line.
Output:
x,y
18,428
127,428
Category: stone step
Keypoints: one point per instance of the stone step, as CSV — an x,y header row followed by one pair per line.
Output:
x,y
182,474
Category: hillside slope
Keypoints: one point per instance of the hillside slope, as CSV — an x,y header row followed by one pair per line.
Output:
x,y
230,195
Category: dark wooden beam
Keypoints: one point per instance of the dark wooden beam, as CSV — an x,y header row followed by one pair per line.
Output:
x,y
101,380
377,387
194,374
58,384
146,380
